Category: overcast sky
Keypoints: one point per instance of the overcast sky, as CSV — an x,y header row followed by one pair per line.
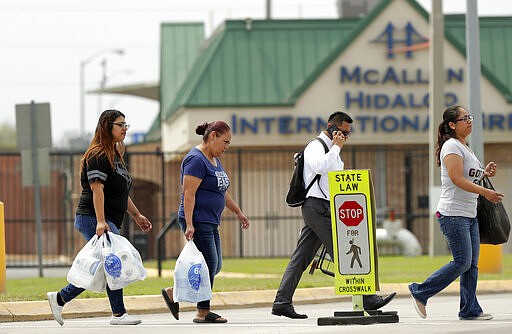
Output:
x,y
42,43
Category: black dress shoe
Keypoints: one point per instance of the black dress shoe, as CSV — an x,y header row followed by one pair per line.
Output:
x,y
375,302
287,310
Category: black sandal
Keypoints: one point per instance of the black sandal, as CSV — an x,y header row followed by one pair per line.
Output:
x,y
174,307
211,318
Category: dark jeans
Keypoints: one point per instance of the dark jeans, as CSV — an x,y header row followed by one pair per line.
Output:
x,y
207,240
463,238
87,226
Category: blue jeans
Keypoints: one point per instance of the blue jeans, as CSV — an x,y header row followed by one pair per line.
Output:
x,y
87,226
207,240
464,241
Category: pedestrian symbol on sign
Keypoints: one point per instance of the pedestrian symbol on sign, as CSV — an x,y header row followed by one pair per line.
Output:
x,y
356,251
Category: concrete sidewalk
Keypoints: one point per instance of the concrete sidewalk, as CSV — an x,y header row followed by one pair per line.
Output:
x,y
152,304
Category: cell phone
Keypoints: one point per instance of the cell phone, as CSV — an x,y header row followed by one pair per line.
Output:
x,y
331,129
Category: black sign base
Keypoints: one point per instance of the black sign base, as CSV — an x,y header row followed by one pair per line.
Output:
x,y
359,318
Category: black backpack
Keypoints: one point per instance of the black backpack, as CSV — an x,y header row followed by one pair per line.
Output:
x,y
297,192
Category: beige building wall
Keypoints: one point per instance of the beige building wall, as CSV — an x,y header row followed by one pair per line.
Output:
x,y
327,94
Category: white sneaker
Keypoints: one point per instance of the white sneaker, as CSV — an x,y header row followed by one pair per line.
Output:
x,y
419,307
125,319
55,307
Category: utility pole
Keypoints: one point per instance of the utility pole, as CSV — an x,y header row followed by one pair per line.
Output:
x,y
103,83
474,74
84,63
437,244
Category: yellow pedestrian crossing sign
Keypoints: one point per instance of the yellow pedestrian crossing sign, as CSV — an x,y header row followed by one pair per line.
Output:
x,y
352,214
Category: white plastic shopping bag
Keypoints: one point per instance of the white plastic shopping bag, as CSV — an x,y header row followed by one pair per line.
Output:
x,y
121,261
191,276
87,268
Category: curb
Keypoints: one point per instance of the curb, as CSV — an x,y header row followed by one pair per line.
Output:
x,y
151,304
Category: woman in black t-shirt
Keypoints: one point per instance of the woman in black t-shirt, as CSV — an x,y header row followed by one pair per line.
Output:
x,y
103,202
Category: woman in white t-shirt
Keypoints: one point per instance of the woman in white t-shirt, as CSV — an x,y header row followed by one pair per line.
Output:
x,y
456,212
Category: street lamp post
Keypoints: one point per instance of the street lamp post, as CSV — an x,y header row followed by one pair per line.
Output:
x,y
83,63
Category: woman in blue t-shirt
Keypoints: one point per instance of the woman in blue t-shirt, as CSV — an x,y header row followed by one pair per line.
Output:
x,y
204,197
456,212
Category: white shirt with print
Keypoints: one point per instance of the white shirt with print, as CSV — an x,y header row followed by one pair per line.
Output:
x,y
455,201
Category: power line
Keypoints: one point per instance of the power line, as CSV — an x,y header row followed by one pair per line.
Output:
x,y
33,83
102,9
68,46
181,9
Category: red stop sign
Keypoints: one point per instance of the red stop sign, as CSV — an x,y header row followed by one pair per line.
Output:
x,y
351,213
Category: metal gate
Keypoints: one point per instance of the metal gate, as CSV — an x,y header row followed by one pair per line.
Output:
x,y
259,178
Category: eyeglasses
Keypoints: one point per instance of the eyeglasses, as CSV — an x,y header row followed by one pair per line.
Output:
x,y
346,133
123,125
467,119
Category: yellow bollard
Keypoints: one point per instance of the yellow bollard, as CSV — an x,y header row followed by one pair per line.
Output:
x,y
2,250
491,259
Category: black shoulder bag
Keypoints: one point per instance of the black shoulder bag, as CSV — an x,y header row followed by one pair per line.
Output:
x,y
493,221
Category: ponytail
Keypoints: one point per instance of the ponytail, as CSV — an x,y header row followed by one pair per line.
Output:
x,y
444,131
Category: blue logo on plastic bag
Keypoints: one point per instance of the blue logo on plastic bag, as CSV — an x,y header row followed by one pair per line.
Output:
x,y
94,266
194,278
113,265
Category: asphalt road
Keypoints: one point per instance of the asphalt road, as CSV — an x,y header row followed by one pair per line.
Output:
x,y
442,318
